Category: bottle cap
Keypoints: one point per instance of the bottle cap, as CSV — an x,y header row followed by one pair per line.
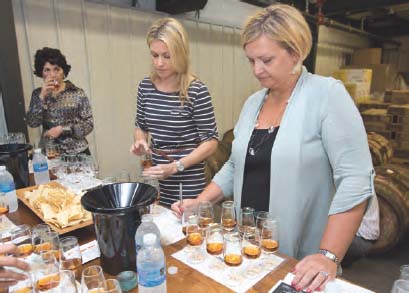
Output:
x,y
127,280
172,270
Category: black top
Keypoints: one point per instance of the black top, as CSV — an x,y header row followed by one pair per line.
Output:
x,y
256,181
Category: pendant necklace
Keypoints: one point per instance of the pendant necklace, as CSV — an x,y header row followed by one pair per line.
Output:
x,y
253,149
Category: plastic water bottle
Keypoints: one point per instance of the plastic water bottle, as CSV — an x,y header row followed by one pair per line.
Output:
x,y
151,266
40,168
7,186
147,226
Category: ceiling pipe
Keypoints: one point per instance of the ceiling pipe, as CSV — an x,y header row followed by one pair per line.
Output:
x,y
320,19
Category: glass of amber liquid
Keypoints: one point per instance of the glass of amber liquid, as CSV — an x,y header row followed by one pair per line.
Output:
x,y
214,239
70,256
21,237
261,217
146,161
246,219
228,216
232,249
269,235
49,241
92,280
45,272
251,243
36,233
187,213
195,240
63,282
205,212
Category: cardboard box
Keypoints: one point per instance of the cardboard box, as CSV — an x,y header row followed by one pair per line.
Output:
x,y
352,75
368,56
384,76
359,91
399,97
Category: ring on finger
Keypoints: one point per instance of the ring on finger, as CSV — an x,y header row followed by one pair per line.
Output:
x,y
324,274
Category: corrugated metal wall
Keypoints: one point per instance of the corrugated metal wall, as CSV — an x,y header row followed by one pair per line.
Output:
x,y
107,50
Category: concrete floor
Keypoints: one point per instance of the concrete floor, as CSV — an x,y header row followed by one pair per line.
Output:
x,y
378,272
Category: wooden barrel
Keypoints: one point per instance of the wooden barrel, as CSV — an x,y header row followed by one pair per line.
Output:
x,y
392,189
214,163
381,149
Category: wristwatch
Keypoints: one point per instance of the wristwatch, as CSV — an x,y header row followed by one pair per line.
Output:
x,y
331,256
179,166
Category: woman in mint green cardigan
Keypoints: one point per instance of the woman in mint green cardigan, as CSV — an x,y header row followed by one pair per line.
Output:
x,y
300,150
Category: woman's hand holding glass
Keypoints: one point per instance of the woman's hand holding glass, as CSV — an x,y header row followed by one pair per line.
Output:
x,y
49,85
139,147
8,253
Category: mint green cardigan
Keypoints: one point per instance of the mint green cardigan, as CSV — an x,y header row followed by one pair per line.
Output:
x,y
320,161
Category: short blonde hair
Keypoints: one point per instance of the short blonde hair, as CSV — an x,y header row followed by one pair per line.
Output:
x,y
282,23
171,32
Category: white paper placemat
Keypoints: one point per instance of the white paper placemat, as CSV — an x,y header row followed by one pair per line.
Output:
x,y
335,286
169,225
238,279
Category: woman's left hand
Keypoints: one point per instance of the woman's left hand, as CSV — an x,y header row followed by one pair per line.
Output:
x,y
161,171
54,132
313,272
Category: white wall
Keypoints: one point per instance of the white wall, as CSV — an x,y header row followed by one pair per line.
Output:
x,y
107,50
334,46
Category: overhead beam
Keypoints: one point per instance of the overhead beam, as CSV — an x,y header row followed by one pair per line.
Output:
x,y
334,8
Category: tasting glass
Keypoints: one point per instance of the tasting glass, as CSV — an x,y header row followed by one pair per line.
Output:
x,y
21,237
187,213
205,212
251,243
111,286
36,232
23,286
92,280
232,249
63,282
228,216
400,286
195,240
246,219
70,256
44,271
404,272
49,241
214,239
269,235
261,217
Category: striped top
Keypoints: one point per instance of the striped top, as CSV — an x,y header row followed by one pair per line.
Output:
x,y
179,128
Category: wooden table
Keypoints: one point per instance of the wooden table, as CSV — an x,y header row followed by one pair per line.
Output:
x,y
186,280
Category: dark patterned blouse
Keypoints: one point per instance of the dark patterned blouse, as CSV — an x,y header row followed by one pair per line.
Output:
x,y
70,109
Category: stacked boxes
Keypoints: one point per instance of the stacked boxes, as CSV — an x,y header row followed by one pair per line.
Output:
x,y
377,120
399,128
399,97
357,82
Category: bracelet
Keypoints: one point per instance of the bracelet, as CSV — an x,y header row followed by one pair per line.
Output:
x,y
66,130
331,256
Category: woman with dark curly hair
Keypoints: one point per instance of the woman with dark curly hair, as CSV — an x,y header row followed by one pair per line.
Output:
x,y
61,108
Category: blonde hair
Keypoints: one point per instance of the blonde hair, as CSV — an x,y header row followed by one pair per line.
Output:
x,y
171,32
283,24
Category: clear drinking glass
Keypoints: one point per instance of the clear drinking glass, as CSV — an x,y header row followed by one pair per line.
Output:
x,y
206,214
228,216
45,271
36,232
49,241
269,234
187,213
70,256
246,219
404,272
232,249
92,280
195,240
21,237
400,286
261,217
214,239
251,243
111,286
63,282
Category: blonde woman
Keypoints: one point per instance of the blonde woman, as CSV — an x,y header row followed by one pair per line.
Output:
x,y
175,109
300,150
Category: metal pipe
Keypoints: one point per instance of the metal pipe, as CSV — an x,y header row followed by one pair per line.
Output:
x,y
347,28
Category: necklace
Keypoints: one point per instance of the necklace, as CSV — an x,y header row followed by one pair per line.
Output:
x,y
253,149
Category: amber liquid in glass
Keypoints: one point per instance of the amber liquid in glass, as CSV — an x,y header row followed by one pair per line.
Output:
x,y
24,290
47,283
25,249
204,222
74,265
4,210
147,164
42,247
251,251
184,229
233,260
195,239
228,224
214,248
269,245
